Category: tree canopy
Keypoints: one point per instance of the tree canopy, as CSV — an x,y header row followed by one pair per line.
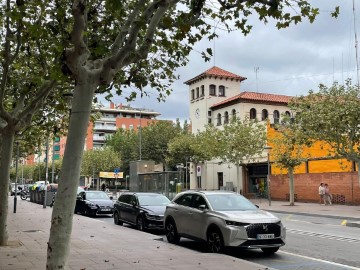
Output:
x,y
332,116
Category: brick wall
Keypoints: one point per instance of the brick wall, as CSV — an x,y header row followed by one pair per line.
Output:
x,y
345,185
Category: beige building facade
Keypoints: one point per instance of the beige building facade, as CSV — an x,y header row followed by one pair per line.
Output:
x,y
215,96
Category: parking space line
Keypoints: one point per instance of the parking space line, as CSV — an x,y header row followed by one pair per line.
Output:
x,y
319,260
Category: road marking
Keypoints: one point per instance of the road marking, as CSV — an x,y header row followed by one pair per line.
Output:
x,y
344,222
319,260
289,217
325,236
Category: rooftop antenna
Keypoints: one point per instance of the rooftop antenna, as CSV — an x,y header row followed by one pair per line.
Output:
x,y
256,70
333,69
215,25
356,45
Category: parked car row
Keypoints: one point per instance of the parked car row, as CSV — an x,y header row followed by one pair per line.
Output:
x,y
219,218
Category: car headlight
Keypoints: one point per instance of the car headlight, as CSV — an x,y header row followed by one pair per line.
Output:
x,y
91,205
235,223
152,217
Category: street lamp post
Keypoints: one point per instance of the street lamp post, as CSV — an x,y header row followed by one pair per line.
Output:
x,y
268,148
46,171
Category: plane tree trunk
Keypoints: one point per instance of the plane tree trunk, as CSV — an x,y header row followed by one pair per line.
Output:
x,y
61,220
291,187
8,136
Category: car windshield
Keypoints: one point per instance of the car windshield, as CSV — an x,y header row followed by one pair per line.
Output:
x,y
229,202
97,195
153,200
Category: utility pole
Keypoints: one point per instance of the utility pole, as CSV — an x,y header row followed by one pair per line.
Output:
x,y
46,170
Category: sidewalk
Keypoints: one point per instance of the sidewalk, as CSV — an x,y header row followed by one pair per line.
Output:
x,y
350,214
99,245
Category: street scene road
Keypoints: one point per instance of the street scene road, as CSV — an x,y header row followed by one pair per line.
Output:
x,y
313,242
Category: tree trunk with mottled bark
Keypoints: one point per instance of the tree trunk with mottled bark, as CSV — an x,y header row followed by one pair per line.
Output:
x,y
6,157
61,221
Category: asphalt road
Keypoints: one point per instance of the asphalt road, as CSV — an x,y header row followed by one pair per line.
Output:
x,y
313,243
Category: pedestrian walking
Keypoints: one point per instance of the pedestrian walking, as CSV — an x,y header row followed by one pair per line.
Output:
x,y
328,195
103,187
322,194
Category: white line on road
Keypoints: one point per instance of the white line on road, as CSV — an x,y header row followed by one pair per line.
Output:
x,y
325,236
319,260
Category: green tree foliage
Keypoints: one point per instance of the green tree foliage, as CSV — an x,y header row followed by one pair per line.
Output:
x,y
193,147
29,72
332,115
288,149
102,159
155,138
154,142
242,140
126,143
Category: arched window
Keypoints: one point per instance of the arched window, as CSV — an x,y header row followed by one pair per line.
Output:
x,y
197,92
192,94
212,90
253,113
219,119
287,113
226,117
233,113
276,116
264,114
202,90
221,91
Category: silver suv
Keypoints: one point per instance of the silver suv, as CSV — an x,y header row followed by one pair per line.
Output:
x,y
222,219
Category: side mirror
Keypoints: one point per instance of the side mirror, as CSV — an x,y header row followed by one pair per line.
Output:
x,y
257,206
133,204
202,207
111,197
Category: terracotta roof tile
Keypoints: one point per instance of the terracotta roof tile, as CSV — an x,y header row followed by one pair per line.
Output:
x,y
216,71
256,97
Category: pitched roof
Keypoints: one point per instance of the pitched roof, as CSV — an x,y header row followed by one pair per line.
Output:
x,y
256,98
216,72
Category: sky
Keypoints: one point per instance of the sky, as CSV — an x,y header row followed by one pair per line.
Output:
x,y
290,61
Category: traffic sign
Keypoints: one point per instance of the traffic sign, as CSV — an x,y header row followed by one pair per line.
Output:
x,y
116,170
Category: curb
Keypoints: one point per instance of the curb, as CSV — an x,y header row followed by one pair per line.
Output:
x,y
356,220
353,224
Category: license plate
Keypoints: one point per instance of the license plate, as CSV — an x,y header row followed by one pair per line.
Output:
x,y
265,236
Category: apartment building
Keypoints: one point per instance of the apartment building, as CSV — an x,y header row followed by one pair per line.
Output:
x,y
114,117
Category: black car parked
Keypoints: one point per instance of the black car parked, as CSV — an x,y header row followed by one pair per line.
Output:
x,y
142,209
94,202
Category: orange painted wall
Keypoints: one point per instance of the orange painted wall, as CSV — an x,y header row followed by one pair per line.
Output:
x,y
318,150
339,174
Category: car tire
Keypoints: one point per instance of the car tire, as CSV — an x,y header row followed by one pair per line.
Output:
x,y
140,223
171,233
270,251
117,219
215,241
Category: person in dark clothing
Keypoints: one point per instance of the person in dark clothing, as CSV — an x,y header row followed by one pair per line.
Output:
x,y
103,187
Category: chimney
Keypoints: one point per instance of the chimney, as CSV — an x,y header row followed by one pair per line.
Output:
x,y
112,105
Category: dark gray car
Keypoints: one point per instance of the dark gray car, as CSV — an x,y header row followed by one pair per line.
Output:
x,y
93,202
141,209
222,219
